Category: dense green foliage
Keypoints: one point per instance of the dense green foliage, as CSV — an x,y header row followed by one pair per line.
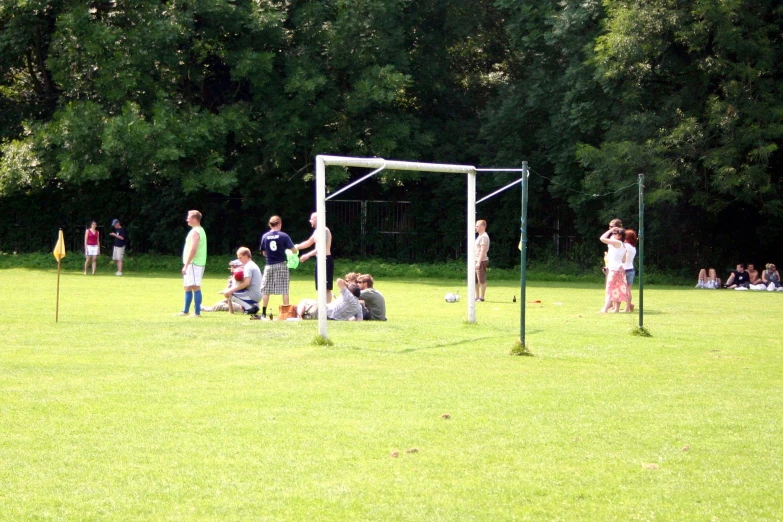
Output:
x,y
144,110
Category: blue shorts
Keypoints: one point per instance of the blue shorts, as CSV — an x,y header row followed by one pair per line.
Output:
x,y
630,274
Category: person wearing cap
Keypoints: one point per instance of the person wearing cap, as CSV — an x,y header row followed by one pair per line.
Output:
x,y
247,291
236,275
273,246
120,238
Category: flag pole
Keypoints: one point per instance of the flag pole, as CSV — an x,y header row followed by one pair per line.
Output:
x,y
57,308
59,254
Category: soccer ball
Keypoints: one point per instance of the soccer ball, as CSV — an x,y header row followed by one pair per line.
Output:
x,y
451,298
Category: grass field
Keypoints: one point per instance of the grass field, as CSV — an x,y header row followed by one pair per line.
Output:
x,y
122,411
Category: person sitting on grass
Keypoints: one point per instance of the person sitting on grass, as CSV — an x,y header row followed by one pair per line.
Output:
x,y
708,279
771,277
345,308
739,278
755,277
374,302
236,275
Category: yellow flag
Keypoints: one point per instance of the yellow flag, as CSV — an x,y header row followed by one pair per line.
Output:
x,y
59,248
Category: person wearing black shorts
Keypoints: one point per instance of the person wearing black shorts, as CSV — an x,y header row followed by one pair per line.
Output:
x,y
327,248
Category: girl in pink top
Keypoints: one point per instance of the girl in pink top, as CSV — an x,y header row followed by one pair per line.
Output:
x,y
92,246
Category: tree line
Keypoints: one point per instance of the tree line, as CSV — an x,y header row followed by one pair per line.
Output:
x,y
142,110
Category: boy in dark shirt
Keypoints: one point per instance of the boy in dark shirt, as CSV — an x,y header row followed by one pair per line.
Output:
x,y
739,278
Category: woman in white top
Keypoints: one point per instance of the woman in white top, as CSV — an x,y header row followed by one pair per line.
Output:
x,y
630,273
616,287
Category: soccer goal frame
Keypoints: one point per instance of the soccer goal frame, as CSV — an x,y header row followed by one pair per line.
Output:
x,y
323,161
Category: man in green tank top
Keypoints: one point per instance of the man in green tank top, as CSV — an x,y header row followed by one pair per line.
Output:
x,y
194,261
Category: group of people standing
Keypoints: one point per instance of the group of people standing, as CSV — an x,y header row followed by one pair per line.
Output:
x,y
92,246
618,260
251,291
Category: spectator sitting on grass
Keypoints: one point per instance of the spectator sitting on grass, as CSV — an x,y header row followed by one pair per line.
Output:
x,y
345,308
708,279
235,276
755,277
771,277
374,302
739,278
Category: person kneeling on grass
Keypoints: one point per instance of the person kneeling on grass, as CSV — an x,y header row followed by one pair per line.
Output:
x,y
345,308
246,293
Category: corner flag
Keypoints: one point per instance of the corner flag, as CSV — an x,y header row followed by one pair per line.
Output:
x,y
59,248
59,254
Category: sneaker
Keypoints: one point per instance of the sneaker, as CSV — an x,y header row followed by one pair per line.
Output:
x,y
181,314
700,285
740,288
117,273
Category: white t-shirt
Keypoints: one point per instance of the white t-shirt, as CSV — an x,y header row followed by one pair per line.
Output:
x,y
614,258
630,253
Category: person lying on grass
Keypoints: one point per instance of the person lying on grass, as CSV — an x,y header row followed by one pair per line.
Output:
x,y
345,308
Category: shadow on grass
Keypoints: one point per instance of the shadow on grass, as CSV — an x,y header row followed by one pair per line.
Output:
x,y
429,347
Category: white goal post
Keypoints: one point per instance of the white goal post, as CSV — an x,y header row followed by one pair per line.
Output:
x,y
321,162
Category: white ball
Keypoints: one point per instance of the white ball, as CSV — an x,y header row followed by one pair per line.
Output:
x,y
451,298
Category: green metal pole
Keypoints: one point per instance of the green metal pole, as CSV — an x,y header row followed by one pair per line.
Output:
x,y
523,253
641,250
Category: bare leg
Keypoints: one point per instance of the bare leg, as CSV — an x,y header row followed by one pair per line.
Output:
x,y
94,263
86,264
629,305
703,276
607,304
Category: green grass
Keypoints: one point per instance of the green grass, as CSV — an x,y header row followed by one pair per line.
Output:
x,y
122,411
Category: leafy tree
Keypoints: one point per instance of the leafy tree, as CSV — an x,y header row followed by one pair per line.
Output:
x,y
698,88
